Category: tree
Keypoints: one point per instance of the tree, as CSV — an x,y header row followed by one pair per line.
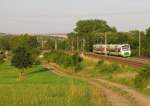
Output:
x,y
87,30
148,32
2,56
88,26
4,43
21,59
29,42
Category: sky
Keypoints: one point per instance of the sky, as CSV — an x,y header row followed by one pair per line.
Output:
x,y
60,16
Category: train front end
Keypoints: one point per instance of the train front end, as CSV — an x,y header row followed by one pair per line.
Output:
x,y
125,51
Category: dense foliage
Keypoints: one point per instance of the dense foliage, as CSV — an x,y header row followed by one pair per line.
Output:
x,y
2,56
104,68
29,42
64,59
89,32
21,58
143,77
86,33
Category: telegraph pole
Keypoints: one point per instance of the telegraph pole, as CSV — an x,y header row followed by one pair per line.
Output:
x,y
139,43
42,44
83,45
55,44
77,43
105,44
72,47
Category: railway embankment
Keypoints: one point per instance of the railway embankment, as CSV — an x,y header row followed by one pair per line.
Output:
x,y
131,61
102,74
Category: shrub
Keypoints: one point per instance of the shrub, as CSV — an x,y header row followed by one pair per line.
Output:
x,y
35,55
22,58
142,78
105,68
76,59
2,58
100,62
146,53
64,59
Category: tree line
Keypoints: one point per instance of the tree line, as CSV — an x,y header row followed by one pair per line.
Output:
x,y
85,34
89,32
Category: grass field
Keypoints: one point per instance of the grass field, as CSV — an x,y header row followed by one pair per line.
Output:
x,y
43,88
112,71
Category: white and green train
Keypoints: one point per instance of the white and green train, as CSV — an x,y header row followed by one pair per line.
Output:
x,y
123,50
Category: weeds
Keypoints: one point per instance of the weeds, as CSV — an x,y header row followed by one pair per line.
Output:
x,y
105,68
143,77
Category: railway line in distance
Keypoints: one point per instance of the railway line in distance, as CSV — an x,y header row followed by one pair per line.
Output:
x,y
131,61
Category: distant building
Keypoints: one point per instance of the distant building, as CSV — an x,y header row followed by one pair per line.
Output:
x,y
63,35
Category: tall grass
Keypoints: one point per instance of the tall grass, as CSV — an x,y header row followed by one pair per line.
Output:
x,y
143,77
137,78
43,88
107,68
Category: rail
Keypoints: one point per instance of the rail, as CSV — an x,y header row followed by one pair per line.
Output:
x,y
131,61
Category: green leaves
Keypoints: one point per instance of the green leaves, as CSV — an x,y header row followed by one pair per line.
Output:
x,y
29,42
87,30
64,59
88,26
22,58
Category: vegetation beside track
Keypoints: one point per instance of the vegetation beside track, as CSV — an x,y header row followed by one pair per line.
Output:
x,y
137,78
64,59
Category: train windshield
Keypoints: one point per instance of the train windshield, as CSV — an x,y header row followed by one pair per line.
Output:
x,y
126,48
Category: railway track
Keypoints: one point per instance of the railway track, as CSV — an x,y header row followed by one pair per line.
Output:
x,y
131,61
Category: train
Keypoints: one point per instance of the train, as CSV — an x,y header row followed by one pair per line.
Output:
x,y
122,50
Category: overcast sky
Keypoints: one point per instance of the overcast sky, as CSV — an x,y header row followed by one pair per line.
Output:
x,y
47,16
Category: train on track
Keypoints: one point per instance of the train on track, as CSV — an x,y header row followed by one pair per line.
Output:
x,y
122,50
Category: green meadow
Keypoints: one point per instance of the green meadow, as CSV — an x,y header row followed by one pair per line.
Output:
x,y
43,88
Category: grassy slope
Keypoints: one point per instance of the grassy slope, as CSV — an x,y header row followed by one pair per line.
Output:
x,y
43,88
123,74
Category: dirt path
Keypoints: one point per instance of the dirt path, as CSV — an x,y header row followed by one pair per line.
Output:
x,y
114,99
141,99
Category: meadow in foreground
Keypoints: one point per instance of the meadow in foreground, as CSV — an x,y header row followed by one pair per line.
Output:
x,y
43,88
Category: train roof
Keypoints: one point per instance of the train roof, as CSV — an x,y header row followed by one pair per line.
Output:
x,y
113,44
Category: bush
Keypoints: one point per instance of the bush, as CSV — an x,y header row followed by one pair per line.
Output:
x,y
64,59
146,53
142,78
135,52
76,60
2,58
35,55
22,58
100,62
105,68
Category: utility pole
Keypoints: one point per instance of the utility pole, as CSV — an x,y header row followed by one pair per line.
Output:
x,y
72,47
139,43
77,43
42,43
105,44
55,44
83,45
